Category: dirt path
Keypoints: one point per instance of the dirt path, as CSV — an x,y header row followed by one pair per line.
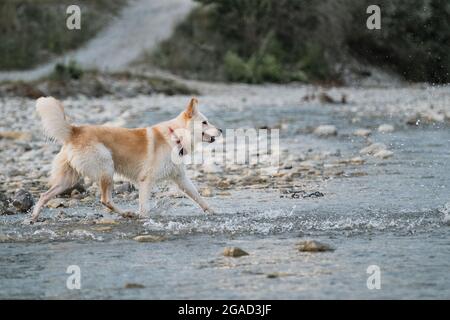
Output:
x,y
140,26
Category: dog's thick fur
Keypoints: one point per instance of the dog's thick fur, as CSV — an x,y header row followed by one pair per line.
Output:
x,y
143,155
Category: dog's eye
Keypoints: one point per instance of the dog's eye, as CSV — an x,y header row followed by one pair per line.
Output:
x,y
205,122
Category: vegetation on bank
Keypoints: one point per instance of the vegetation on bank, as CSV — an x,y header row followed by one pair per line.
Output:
x,y
33,31
289,40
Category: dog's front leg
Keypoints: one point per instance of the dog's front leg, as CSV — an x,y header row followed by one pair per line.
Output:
x,y
186,185
145,187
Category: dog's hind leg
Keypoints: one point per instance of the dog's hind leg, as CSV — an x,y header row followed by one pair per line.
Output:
x,y
106,188
95,161
62,178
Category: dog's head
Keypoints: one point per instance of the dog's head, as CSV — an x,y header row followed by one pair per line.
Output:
x,y
198,125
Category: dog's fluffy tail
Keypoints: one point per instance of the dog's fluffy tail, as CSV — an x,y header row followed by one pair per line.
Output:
x,y
53,119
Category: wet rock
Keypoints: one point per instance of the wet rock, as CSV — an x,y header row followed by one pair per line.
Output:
x,y
4,205
3,209
383,154
297,194
224,184
274,275
134,286
386,128
57,203
206,192
357,160
106,221
125,187
102,228
211,168
4,238
62,215
23,200
313,246
83,234
373,148
15,173
413,120
315,194
431,116
325,98
426,117
446,219
78,187
362,132
75,194
293,194
234,252
309,164
149,238
71,203
325,131
88,199
15,135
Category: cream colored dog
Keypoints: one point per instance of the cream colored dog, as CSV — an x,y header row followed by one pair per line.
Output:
x,y
143,155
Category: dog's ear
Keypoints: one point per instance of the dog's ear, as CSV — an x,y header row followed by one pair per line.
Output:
x,y
192,108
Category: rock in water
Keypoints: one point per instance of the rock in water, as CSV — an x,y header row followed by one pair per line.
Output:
x,y
386,128
134,286
4,204
57,203
234,252
125,187
446,219
149,238
23,200
325,131
206,192
373,148
106,221
362,132
313,246
383,154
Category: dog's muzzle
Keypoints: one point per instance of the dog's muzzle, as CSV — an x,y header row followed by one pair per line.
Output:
x,y
210,139
207,138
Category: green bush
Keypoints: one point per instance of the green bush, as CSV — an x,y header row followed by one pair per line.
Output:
x,y
414,39
254,70
236,69
308,40
71,71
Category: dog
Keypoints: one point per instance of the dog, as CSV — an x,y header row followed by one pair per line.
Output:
x,y
142,155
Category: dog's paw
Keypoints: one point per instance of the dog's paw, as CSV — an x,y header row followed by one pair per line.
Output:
x,y
210,211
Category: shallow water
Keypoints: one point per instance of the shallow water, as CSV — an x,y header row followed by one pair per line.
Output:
x,y
392,213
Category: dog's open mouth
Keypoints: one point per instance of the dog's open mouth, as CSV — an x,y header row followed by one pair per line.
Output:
x,y
207,138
